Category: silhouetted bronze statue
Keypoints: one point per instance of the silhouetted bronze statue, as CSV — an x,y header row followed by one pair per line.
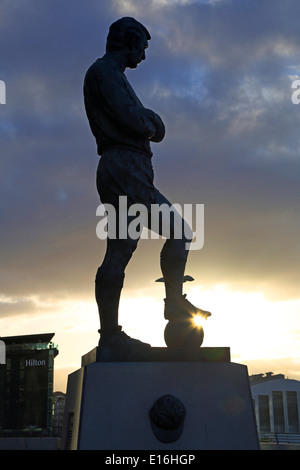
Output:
x,y
123,130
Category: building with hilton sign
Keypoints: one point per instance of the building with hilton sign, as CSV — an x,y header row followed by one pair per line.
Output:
x,y
26,385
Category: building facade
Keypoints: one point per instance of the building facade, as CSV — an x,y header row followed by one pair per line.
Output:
x,y
26,385
58,411
277,403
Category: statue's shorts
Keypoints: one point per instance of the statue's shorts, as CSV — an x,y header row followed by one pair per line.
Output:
x,y
129,173
126,173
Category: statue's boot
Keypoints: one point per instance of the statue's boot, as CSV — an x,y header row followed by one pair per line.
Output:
x,y
177,307
108,291
182,309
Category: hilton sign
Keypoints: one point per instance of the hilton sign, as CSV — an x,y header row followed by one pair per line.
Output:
x,y
34,362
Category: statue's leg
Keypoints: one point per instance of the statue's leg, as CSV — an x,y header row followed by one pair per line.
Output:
x,y
120,173
107,291
173,261
176,248
172,268
109,283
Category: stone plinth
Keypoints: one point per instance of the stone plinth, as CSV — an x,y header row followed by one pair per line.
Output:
x,y
108,403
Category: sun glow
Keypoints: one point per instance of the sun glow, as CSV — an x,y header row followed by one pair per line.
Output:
x,y
197,320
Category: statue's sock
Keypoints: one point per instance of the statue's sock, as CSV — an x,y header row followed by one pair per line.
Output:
x,y
108,291
172,268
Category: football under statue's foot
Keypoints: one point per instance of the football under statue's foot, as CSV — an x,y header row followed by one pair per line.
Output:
x,y
183,328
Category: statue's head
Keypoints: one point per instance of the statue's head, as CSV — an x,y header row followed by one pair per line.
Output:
x,y
131,36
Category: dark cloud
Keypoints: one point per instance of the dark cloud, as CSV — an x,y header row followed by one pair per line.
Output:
x,y
220,76
16,307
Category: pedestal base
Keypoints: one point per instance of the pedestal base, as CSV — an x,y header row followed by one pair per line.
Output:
x,y
108,404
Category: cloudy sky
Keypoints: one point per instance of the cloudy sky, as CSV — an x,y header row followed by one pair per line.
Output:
x,y
219,73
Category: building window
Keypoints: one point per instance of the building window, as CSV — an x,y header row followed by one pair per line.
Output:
x,y
264,413
292,408
278,412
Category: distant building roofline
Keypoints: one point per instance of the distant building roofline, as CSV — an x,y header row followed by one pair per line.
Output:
x,y
265,377
23,339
